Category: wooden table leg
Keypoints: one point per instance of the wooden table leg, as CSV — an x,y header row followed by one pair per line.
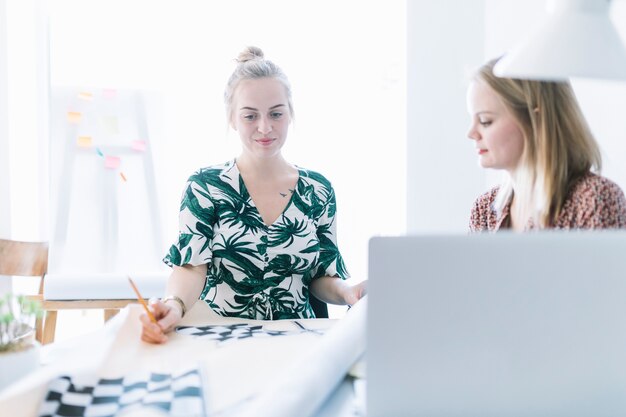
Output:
x,y
50,323
39,329
109,313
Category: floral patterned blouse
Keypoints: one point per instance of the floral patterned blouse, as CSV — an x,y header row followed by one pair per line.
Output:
x,y
594,202
257,271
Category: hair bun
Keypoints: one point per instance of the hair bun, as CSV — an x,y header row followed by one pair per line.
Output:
x,y
249,54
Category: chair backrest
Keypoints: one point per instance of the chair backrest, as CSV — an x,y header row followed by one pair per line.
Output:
x,y
23,258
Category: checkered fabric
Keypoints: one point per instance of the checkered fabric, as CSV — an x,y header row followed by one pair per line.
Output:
x,y
225,333
177,395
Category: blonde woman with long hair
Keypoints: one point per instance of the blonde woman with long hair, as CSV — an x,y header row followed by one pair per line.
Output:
x,y
536,132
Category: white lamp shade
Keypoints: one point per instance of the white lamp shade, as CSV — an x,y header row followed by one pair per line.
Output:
x,y
576,39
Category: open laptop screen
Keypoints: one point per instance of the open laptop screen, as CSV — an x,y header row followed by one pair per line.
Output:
x,y
497,325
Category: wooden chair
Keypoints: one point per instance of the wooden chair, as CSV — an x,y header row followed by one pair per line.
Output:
x,y
26,259
31,259
110,307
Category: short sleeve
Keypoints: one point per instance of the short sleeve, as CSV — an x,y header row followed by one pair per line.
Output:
x,y
196,220
476,221
482,217
610,207
330,262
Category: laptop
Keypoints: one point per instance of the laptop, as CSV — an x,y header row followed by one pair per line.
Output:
x,y
497,325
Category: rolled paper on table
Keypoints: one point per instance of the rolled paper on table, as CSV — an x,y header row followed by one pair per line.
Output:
x,y
302,388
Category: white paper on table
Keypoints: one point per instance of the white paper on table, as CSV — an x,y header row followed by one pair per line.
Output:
x,y
103,286
238,374
82,355
317,373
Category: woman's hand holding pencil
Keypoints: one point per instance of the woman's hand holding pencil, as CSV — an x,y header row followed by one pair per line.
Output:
x,y
184,288
166,316
158,319
141,300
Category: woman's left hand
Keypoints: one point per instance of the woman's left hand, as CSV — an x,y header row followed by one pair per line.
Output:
x,y
355,293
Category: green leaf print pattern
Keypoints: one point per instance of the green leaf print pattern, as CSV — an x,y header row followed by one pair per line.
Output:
x,y
253,270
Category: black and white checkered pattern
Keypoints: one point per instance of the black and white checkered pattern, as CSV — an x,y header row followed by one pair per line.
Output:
x,y
177,395
225,333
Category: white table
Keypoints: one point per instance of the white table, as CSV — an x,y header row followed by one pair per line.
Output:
x,y
241,375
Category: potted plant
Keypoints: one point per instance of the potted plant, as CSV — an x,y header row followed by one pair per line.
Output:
x,y
19,350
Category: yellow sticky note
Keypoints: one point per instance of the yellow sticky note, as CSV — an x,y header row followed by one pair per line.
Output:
x,y
74,117
84,141
85,95
111,162
109,124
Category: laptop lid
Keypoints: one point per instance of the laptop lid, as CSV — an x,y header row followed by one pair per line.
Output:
x,y
497,325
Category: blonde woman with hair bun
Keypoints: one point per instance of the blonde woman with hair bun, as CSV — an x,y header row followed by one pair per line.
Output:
x,y
536,132
257,234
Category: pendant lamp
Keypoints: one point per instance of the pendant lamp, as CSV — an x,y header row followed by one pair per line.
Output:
x,y
576,39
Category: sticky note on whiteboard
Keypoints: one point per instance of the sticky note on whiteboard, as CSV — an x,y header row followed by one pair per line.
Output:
x,y
139,145
85,95
109,93
74,117
111,162
84,141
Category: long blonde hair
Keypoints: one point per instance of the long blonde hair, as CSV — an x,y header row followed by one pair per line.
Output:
x,y
558,145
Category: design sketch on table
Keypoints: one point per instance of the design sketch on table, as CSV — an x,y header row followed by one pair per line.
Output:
x,y
228,332
307,330
178,395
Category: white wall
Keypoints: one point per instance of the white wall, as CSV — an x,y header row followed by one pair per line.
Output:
x,y
604,105
445,41
5,204
25,112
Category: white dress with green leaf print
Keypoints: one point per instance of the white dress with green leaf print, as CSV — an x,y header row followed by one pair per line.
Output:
x,y
257,271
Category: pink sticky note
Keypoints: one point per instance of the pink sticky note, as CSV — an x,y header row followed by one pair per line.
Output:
x,y
109,93
139,145
111,162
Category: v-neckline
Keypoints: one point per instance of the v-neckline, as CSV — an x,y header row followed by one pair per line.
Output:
x,y
253,204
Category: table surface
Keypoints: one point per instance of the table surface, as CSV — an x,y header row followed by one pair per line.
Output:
x,y
249,366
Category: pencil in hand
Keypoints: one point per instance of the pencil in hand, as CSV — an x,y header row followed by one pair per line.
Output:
x,y
141,300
